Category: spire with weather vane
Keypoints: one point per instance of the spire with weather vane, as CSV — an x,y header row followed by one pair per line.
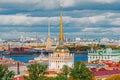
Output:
x,y
61,34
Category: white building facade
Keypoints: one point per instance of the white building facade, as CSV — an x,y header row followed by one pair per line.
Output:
x,y
60,57
107,54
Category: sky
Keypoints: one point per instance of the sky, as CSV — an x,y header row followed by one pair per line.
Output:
x,y
81,18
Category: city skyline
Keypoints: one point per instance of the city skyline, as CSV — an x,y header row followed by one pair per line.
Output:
x,y
81,18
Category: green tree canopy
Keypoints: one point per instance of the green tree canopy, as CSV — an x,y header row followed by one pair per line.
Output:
x,y
36,71
81,72
5,74
66,70
78,72
65,73
61,77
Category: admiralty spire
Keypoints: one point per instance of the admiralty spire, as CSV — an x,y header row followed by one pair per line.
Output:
x,y
61,34
61,55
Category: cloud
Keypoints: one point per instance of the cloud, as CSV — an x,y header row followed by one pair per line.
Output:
x,y
95,20
32,5
20,20
106,1
115,30
1,8
28,20
102,30
90,29
116,22
35,4
91,32
76,23
16,35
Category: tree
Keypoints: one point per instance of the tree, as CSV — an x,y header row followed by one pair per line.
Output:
x,y
64,75
116,77
81,72
65,70
36,71
5,74
82,48
49,78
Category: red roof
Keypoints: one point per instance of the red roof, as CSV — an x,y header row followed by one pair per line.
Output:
x,y
103,72
19,78
52,72
111,63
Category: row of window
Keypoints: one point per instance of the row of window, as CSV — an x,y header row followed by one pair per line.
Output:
x,y
61,55
61,61
99,57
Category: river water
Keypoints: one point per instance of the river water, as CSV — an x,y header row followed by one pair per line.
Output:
x,y
27,58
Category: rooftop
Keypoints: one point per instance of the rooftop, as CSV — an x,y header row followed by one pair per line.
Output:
x,y
104,72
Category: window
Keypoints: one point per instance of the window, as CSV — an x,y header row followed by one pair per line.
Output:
x,y
90,57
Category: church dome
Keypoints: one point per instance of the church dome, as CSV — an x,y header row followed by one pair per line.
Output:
x,y
61,49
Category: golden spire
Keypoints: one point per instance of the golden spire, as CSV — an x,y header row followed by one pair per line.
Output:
x,y
61,35
48,28
49,41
